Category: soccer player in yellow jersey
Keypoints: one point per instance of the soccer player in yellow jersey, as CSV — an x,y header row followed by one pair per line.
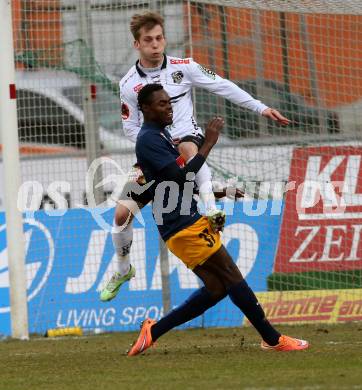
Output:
x,y
188,234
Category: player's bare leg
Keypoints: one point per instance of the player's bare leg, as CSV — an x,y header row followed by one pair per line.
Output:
x,y
133,198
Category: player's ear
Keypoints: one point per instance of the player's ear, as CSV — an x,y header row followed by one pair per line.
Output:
x,y
145,108
136,44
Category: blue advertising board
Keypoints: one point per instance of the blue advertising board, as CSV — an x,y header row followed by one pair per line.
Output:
x,y
69,257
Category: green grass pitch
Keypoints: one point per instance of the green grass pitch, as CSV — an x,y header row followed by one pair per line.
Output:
x,y
192,359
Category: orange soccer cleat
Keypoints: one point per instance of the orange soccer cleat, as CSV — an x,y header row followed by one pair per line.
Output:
x,y
144,339
286,343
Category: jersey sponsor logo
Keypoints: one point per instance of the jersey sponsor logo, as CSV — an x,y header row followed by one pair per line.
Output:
x,y
138,87
124,111
177,62
207,72
177,76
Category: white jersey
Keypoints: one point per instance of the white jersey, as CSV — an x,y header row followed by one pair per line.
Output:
x,y
177,77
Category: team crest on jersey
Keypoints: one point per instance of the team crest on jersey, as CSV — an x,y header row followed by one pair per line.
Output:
x,y
207,72
124,111
177,76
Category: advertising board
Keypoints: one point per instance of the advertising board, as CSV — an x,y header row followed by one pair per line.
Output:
x,y
69,258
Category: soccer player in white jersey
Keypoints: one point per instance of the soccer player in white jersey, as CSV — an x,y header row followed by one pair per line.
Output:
x,y
177,76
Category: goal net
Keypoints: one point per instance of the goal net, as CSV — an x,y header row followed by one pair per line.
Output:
x,y
295,235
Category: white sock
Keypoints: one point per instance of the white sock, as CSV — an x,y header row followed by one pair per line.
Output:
x,y
204,183
122,241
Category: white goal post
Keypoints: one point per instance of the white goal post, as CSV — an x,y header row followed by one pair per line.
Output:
x,y
12,180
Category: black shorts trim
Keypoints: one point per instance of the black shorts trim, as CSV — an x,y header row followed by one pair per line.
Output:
x,y
197,139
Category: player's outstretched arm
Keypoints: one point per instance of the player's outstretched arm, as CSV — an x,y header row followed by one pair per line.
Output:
x,y
207,79
276,116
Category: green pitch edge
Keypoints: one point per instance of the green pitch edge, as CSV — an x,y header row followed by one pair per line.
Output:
x,y
315,280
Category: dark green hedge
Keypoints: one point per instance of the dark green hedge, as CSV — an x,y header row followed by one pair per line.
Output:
x,y
315,280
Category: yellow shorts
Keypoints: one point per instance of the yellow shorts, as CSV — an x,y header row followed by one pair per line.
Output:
x,y
195,244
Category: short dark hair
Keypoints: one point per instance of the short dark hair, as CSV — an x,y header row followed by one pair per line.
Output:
x,y
147,20
145,94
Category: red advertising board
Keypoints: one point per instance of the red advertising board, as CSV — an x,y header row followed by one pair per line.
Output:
x,y
322,222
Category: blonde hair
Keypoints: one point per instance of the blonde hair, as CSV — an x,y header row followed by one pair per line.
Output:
x,y
147,20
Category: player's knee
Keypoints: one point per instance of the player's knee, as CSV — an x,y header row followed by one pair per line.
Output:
x,y
122,216
187,150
